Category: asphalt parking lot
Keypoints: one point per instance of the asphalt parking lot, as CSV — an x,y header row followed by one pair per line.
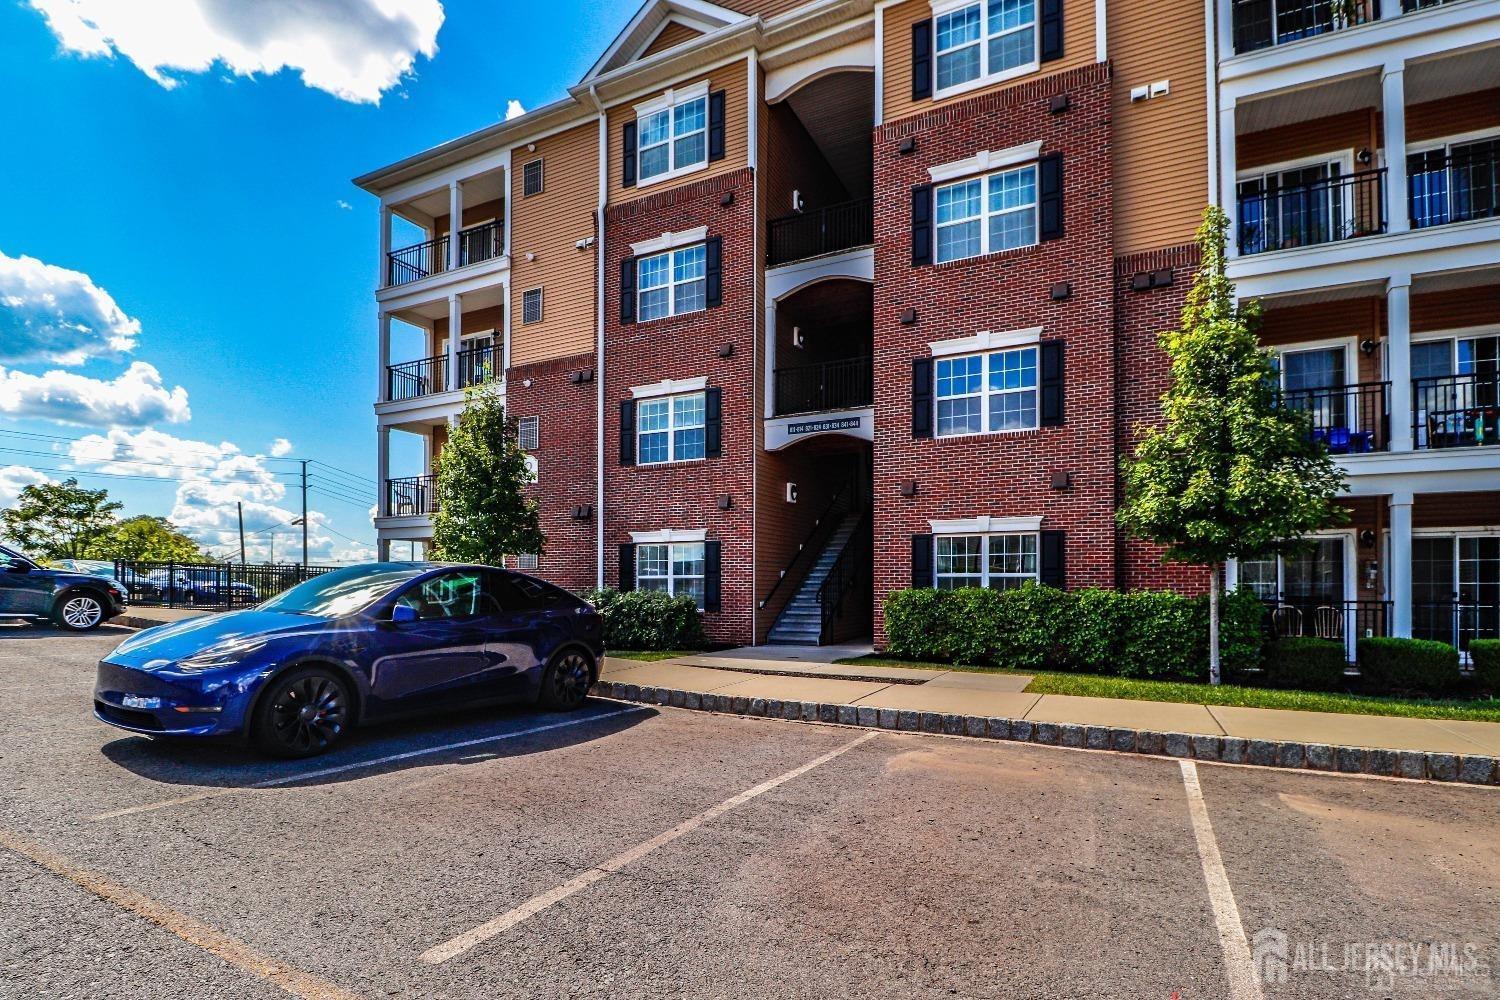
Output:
x,y
643,852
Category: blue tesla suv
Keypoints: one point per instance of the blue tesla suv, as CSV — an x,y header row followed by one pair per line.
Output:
x,y
292,675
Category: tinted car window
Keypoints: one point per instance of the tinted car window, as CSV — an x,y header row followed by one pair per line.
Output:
x,y
459,594
522,593
341,592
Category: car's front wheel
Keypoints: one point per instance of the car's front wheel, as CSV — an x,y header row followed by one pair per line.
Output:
x,y
304,713
567,680
78,611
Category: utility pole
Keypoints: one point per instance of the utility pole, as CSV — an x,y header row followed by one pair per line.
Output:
x,y
240,509
304,519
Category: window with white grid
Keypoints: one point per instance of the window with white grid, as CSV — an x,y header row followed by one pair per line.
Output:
x,y
988,214
672,568
999,561
987,393
671,283
670,428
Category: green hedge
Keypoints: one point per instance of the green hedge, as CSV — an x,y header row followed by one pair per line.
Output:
x,y
1409,665
648,619
1307,663
1139,634
1485,655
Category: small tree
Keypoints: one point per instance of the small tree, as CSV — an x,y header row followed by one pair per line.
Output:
x,y
144,538
1232,473
482,513
58,520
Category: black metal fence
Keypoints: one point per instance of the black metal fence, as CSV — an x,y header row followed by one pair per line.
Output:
x,y
1259,24
1328,619
830,385
411,379
1324,211
1349,419
416,261
1454,185
476,366
843,226
1455,622
1455,411
216,586
480,243
410,495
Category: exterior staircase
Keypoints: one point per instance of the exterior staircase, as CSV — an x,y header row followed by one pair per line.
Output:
x,y
801,621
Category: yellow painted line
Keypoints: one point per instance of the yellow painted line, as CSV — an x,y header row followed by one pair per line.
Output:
x,y
228,949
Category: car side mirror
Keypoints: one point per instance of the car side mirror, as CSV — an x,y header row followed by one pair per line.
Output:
x,y
402,614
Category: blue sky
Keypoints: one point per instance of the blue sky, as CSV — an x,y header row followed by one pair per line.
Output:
x,y
215,210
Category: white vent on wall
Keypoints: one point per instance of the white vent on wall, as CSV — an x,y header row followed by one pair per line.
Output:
x,y
529,433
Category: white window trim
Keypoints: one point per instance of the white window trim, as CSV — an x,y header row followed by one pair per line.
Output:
x,y
1349,345
669,241
670,387
985,393
984,79
669,535
985,214
541,305
671,432
1343,157
671,576
986,525
986,161
986,340
672,283
664,102
984,554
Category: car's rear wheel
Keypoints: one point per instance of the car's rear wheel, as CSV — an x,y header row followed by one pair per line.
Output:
x,y
78,611
303,713
566,682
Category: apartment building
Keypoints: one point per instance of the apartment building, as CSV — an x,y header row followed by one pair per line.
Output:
x,y
798,304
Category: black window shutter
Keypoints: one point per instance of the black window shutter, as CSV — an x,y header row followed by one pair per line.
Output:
x,y
921,60
716,125
921,225
1050,412
713,272
1052,30
627,158
627,290
627,566
1050,195
1052,561
921,397
921,560
712,601
627,432
713,422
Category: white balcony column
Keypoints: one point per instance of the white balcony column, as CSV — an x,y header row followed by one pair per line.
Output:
x,y
455,221
455,337
770,387
384,277
1387,9
1398,359
383,471
505,216
1400,568
1393,109
1227,171
383,381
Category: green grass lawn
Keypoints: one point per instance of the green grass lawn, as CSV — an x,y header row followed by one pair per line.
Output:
x,y
647,655
1186,692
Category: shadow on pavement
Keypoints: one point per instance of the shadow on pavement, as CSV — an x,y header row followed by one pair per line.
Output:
x,y
27,631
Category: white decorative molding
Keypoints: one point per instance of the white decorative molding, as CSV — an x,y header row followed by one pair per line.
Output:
x,y
672,96
669,241
669,387
669,535
858,265
783,432
986,160
984,525
985,340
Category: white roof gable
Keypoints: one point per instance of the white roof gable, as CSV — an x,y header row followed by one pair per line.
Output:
x,y
647,23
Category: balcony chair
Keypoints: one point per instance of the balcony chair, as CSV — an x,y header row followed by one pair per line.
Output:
x,y
1338,440
1328,622
1286,621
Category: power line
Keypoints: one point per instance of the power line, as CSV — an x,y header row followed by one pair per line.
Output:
x,y
204,474
363,505
336,484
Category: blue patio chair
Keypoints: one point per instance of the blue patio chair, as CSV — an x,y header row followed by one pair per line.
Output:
x,y
1338,440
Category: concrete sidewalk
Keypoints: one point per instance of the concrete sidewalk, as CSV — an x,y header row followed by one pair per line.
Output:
x,y
976,695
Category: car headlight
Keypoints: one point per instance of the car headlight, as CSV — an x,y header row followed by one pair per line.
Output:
x,y
224,654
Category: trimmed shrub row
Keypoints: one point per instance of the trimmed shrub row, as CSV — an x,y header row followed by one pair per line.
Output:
x,y
1306,663
648,619
1409,665
1484,655
1137,634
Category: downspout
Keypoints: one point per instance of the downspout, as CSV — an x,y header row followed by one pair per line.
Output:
x,y
599,340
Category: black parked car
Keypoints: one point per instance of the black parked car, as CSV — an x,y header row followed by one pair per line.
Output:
x,y
75,601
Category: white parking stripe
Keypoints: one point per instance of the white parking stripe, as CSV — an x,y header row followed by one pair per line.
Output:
x,y
1238,966
457,946
292,779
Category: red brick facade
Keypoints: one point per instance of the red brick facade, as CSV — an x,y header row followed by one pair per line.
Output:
x,y
688,495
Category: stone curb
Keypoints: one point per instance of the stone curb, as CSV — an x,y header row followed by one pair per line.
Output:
x,y
1460,769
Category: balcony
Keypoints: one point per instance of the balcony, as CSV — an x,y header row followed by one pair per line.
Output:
x,y
420,260
1455,622
1456,185
1262,24
1327,210
410,496
830,385
842,226
1325,617
428,376
1455,411
1348,419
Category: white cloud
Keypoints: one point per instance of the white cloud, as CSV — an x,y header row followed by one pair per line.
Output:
x,y
134,398
341,203
280,448
353,49
513,109
14,477
49,313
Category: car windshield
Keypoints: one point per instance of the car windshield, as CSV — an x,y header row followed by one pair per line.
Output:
x,y
341,592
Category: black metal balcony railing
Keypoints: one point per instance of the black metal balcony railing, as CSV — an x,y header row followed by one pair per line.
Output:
x,y
411,379
416,261
1456,186
410,495
476,366
830,229
1259,24
1327,618
1326,211
480,243
1457,623
1349,419
1411,6
831,385
1455,411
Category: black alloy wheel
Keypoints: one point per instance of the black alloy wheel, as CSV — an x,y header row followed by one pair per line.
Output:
x,y
567,681
305,713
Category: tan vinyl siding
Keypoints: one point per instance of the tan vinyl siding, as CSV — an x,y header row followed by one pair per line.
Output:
x,y
730,78
1160,151
675,33
549,226
1078,50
